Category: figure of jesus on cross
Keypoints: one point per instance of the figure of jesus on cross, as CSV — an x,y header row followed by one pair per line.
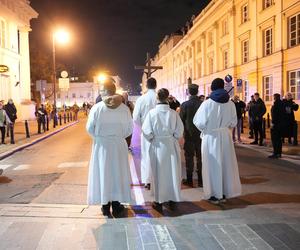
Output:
x,y
148,69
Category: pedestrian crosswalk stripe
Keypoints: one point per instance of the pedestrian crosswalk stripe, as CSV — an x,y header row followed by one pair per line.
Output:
x,y
22,167
80,164
5,166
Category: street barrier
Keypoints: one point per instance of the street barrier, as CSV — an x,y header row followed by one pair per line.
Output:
x,y
54,123
71,117
27,129
60,119
47,122
65,118
68,117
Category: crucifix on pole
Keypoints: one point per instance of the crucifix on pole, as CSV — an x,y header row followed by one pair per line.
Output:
x,y
148,69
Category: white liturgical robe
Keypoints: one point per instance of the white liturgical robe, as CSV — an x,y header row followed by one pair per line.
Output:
x,y
109,172
219,164
163,127
142,107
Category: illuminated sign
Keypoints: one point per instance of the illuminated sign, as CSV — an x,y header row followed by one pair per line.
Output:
x,y
3,69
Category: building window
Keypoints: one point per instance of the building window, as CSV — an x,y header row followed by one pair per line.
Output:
x,y
73,95
210,65
245,51
294,84
245,13
267,3
198,47
225,27
199,69
210,38
246,90
2,33
225,59
294,30
58,95
268,88
89,95
268,42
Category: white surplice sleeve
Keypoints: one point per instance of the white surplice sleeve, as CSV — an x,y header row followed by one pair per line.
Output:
x,y
201,117
233,115
179,127
90,125
137,115
147,128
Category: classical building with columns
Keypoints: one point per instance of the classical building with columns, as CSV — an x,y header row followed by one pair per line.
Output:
x,y
255,41
15,19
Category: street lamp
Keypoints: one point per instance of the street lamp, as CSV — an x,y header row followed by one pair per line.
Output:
x,y
61,36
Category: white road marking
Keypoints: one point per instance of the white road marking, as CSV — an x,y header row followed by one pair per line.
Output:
x,y
5,166
22,167
80,164
137,190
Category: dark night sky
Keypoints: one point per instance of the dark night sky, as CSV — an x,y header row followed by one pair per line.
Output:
x,y
110,34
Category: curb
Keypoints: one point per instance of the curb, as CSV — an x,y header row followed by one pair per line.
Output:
x,y
21,147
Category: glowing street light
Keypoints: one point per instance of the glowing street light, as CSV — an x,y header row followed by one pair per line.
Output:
x,y
102,78
62,37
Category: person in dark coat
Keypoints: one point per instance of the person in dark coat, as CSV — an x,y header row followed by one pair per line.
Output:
x,y
11,111
291,128
99,98
174,104
277,126
256,112
240,108
192,141
251,132
41,114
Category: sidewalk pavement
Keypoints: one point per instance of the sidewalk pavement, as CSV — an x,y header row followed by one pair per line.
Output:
x,y
20,136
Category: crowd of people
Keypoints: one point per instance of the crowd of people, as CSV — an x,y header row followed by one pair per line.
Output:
x,y
205,126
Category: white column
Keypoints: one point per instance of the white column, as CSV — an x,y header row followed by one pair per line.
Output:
x,y
24,63
203,55
216,47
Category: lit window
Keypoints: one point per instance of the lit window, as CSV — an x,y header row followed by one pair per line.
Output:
x,y
210,65
245,51
225,59
73,95
267,3
268,88
245,13
294,30
89,95
198,47
225,27
268,42
199,68
294,84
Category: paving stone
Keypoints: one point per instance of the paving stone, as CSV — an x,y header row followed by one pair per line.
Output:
x,y
163,237
134,243
261,244
152,247
246,232
148,237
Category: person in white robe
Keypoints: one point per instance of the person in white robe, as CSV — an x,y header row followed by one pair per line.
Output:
x,y
142,107
214,118
109,123
163,128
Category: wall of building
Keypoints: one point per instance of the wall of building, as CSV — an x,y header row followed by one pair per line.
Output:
x,y
15,19
219,32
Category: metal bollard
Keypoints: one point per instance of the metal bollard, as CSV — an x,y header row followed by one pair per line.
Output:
x,y
54,122
27,129
60,119
65,117
264,128
12,136
268,120
68,117
47,123
242,125
71,117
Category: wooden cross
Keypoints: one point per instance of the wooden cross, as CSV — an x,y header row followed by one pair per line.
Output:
x,y
149,69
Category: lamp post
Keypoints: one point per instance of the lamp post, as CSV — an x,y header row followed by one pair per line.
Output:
x,y
62,37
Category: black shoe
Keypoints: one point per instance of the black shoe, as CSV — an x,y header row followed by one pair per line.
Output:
x,y
117,207
260,144
214,200
172,205
254,143
188,182
273,156
157,206
148,186
106,209
279,155
200,184
251,137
